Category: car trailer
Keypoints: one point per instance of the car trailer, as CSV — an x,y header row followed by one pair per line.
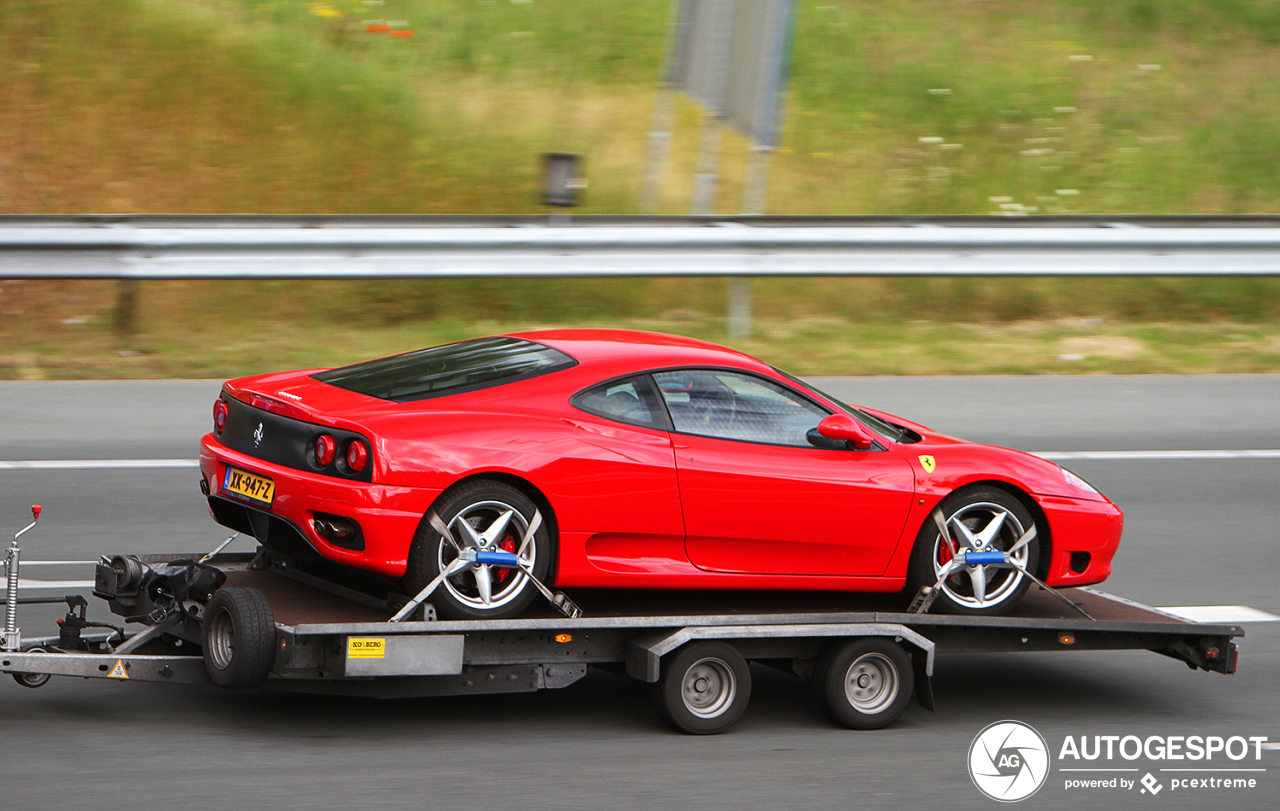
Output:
x,y
260,620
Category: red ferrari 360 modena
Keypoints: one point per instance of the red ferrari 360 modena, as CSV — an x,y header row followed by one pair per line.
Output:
x,y
610,458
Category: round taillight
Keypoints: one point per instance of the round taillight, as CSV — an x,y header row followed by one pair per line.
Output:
x,y
220,415
325,448
357,456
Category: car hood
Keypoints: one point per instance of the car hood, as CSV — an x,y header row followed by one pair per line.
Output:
x,y
961,457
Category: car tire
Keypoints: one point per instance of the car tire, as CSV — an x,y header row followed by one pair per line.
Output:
x,y
239,635
864,683
1001,588
481,503
704,687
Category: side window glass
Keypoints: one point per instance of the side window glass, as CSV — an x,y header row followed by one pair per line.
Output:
x,y
728,405
630,400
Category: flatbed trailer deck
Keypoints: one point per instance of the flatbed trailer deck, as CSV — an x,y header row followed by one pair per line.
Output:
x,y
865,656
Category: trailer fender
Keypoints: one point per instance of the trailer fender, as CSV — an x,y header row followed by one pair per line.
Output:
x,y
644,652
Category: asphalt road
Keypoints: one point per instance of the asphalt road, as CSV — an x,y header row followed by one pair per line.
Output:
x,y
1199,532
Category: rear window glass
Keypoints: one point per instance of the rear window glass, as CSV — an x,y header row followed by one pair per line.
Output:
x,y
631,400
449,369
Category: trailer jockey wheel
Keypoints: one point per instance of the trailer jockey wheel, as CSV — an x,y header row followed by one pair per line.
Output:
x,y
864,683
704,687
32,680
239,637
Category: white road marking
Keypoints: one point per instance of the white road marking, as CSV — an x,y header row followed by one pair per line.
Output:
x,y
1219,614
24,584
96,464
1266,453
56,562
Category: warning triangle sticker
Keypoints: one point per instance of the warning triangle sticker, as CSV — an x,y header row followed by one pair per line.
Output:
x,y
118,672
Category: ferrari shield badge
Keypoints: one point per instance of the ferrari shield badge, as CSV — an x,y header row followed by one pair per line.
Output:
x,y
928,463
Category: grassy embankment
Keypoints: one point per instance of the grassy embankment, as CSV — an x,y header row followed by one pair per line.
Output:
x,y
928,106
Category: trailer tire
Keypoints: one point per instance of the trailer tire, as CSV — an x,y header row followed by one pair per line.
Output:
x,y
704,687
864,683
239,634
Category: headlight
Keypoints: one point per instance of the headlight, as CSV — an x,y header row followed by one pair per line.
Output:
x,y
1077,482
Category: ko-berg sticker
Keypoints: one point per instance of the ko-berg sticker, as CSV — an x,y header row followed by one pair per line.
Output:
x,y
1010,761
366,647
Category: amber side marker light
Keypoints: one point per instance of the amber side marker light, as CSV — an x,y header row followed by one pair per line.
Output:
x,y
564,638
1067,639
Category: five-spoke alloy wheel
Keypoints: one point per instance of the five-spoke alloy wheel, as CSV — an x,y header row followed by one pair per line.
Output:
x,y
484,515
976,520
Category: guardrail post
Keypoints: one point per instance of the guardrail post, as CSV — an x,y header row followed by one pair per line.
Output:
x,y
127,309
739,306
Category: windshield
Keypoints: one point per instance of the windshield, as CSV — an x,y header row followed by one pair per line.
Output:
x,y
448,369
886,429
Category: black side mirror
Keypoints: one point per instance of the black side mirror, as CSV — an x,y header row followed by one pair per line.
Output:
x,y
817,440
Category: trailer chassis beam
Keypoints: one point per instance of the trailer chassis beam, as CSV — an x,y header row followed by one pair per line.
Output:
x,y
127,667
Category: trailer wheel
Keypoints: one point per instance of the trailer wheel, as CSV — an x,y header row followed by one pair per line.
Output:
x,y
865,683
704,687
32,680
239,637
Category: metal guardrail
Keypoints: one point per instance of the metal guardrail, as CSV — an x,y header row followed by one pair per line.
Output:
x,y
241,248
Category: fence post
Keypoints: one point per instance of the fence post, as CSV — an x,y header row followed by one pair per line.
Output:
x,y
127,309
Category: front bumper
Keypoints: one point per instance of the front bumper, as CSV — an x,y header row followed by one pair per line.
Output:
x,y
1085,536
388,516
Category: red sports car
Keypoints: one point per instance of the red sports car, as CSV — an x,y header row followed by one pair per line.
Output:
x,y
610,458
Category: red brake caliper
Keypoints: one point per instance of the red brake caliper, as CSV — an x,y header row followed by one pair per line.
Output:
x,y
507,544
944,552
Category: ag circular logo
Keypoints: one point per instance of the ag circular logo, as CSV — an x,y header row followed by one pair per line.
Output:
x,y
1008,761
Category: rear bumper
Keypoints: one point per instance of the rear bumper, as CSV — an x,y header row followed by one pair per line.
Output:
x,y
1081,528
388,516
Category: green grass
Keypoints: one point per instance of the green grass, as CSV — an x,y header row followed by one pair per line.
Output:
x,y
895,107
286,105
207,329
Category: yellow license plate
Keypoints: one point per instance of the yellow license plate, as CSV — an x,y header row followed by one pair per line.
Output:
x,y
256,488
